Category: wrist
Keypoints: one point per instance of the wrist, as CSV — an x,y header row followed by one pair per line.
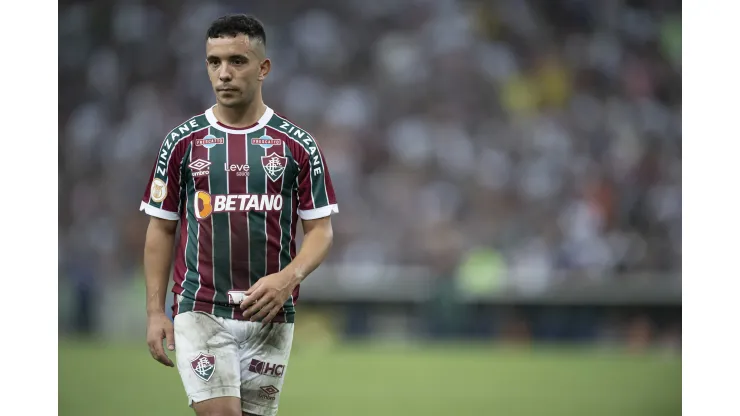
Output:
x,y
154,312
294,275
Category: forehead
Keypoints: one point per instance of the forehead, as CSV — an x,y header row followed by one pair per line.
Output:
x,y
238,45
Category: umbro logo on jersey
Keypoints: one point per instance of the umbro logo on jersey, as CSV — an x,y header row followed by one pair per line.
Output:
x,y
198,165
209,141
206,204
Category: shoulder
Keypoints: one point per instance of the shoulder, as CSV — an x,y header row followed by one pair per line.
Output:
x,y
178,138
286,126
187,128
301,143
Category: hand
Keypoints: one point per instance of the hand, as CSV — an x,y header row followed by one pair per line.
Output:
x,y
268,296
159,328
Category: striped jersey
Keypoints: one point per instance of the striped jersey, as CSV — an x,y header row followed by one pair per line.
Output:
x,y
238,194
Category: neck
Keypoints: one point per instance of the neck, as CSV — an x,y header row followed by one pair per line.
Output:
x,y
242,116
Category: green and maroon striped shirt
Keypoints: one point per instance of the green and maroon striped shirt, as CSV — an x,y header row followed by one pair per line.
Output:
x,y
238,194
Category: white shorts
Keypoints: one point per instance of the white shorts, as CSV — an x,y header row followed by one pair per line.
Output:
x,y
219,357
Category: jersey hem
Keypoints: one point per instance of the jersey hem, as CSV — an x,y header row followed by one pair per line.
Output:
x,y
229,311
312,214
214,392
259,409
158,212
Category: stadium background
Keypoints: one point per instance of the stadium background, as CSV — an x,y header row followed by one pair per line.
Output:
x,y
509,180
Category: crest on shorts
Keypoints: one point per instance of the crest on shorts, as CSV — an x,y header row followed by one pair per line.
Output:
x,y
203,366
274,165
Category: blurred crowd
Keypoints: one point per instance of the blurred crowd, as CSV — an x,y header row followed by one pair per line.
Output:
x,y
544,133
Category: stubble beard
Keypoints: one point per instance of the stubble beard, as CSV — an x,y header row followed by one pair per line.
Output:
x,y
242,101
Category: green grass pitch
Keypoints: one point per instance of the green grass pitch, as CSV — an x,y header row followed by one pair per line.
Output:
x,y
363,380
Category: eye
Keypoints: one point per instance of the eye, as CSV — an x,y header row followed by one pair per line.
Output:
x,y
238,61
213,62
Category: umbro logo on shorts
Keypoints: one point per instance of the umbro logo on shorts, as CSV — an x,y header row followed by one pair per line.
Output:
x,y
268,392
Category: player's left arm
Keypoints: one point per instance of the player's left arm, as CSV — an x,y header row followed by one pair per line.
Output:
x,y
317,240
316,203
271,292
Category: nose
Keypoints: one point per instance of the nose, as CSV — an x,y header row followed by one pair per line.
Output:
x,y
224,73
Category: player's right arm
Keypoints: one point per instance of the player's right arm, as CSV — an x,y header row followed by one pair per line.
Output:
x,y
162,202
160,238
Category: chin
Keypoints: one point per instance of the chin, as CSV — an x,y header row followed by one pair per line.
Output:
x,y
230,102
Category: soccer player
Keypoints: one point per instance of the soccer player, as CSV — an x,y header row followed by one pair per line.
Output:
x,y
237,178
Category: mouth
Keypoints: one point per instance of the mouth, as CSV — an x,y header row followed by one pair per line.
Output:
x,y
226,89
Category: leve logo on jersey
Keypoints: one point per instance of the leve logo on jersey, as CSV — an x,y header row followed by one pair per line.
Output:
x,y
241,170
274,165
198,165
267,142
209,141
206,204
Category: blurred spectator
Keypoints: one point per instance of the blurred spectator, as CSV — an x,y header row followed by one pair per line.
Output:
x,y
548,132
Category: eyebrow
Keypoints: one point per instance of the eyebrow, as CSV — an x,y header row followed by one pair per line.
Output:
x,y
245,56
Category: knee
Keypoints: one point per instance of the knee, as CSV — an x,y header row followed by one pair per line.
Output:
x,y
223,406
220,412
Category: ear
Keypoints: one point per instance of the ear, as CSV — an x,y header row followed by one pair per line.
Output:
x,y
265,67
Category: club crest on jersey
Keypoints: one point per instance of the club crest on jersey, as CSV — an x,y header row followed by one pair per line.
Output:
x,y
159,190
274,165
203,366
266,142
209,141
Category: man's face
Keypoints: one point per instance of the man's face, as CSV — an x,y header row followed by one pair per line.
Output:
x,y
236,68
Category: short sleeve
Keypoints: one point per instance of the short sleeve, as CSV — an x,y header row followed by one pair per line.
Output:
x,y
316,198
162,194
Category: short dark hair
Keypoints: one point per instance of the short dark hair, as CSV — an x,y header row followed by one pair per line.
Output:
x,y
233,25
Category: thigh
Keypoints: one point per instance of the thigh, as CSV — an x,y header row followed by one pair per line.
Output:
x,y
207,357
264,363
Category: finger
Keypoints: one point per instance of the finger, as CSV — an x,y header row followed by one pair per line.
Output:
x,y
152,350
264,300
264,311
158,353
161,355
253,288
257,306
251,299
169,336
164,359
272,315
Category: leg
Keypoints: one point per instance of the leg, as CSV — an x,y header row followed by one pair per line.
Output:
x,y
208,364
264,361
220,406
